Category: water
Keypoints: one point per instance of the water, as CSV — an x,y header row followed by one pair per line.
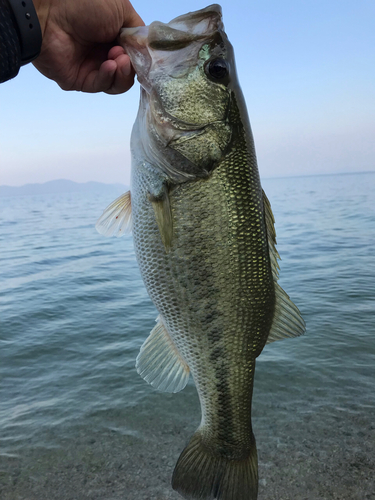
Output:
x,y
74,313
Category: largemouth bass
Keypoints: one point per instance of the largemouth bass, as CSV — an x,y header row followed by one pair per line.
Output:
x,y
205,243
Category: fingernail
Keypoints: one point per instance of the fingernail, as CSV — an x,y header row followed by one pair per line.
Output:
x,y
127,69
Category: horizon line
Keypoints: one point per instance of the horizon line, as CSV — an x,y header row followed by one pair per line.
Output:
x,y
125,184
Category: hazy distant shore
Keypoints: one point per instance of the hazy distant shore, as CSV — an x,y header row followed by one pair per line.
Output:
x,y
67,186
60,186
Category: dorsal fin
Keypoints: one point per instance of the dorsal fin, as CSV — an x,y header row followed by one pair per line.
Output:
x,y
159,362
287,320
116,219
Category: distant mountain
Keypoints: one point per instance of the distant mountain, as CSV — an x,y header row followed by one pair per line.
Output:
x,y
61,186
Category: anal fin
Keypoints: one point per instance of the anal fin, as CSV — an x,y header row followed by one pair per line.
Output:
x,y
160,364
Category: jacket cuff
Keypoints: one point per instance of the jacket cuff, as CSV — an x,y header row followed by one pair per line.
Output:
x,y
20,36
28,27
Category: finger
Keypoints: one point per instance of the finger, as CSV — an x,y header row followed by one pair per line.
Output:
x,y
100,80
113,77
124,76
115,52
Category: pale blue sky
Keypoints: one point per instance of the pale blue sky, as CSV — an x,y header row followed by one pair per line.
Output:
x,y
306,67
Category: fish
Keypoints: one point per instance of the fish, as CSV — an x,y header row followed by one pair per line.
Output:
x,y
205,243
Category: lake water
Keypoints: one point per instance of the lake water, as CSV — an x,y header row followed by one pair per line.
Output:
x,y
74,313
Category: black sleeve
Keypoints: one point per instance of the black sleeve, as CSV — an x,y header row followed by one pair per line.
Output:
x,y
10,46
20,36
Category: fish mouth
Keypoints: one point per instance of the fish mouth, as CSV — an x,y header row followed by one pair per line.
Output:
x,y
160,41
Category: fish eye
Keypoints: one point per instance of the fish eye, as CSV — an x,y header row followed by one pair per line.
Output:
x,y
217,69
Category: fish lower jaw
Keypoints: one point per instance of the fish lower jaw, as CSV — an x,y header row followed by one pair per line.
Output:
x,y
184,135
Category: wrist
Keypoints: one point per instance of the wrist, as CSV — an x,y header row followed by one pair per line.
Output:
x,y
42,9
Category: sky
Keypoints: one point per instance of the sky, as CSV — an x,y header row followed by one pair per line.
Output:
x,y
306,68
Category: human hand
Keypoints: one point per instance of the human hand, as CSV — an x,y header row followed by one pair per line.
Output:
x,y
79,49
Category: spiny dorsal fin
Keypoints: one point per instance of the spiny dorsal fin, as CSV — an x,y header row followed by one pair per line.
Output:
x,y
287,320
271,236
160,363
116,219
163,216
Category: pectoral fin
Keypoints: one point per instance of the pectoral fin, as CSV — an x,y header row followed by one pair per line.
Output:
x,y
116,219
163,216
160,364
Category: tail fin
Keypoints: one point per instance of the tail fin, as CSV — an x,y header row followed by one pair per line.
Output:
x,y
202,474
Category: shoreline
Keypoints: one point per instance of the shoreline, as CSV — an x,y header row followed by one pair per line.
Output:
x,y
297,461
